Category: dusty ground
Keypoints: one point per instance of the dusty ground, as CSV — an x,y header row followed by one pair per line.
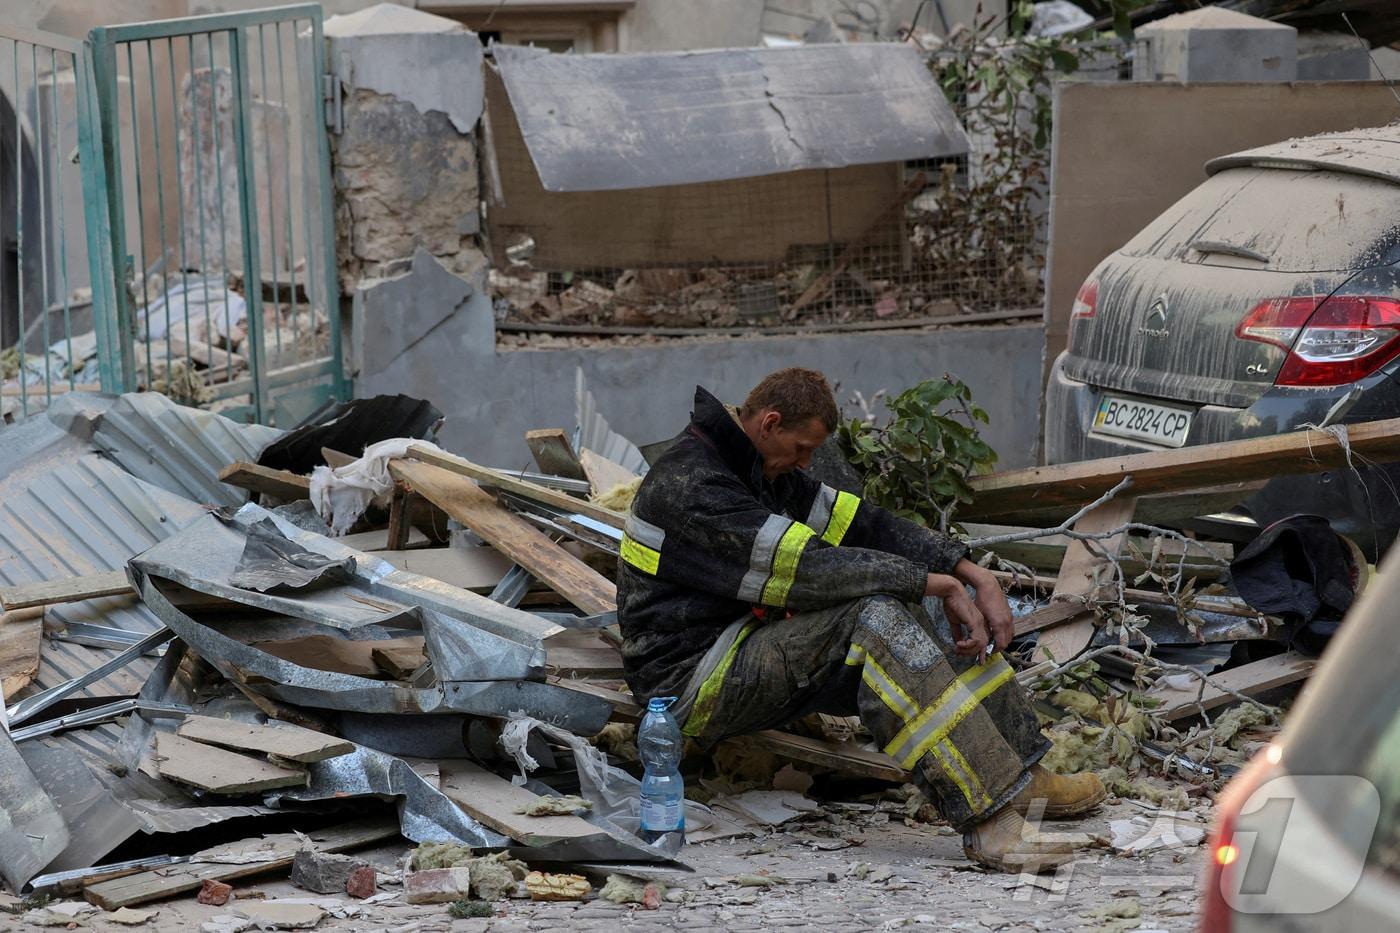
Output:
x,y
887,876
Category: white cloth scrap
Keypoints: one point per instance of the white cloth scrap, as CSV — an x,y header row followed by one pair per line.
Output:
x,y
341,495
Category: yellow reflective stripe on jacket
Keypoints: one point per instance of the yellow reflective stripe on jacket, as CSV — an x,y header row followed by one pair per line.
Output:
x,y
831,514
708,694
639,555
842,514
943,714
794,540
874,677
765,547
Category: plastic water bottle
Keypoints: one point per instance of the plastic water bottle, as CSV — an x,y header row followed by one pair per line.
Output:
x,y
663,791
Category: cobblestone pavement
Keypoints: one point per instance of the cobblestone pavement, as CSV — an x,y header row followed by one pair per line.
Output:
x,y
890,877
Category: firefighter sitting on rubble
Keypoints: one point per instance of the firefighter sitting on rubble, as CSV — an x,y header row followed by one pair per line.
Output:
x,y
757,595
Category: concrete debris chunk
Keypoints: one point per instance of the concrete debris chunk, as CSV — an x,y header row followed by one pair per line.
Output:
x,y
131,917
329,873
278,915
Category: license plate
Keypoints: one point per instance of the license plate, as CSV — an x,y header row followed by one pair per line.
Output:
x,y
1163,425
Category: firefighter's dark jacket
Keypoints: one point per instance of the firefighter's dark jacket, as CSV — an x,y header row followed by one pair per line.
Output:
x,y
709,538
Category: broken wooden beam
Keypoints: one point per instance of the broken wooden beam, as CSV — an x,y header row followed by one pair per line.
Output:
x,y
21,639
553,453
68,590
286,741
1063,488
519,487
280,484
604,474
510,534
1247,679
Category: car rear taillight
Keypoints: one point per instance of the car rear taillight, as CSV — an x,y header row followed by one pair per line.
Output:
x,y
1086,302
1331,341
1224,852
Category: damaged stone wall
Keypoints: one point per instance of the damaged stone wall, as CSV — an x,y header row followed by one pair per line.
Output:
x,y
404,148
404,179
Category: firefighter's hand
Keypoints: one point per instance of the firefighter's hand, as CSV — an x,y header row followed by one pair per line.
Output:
x,y
970,633
990,601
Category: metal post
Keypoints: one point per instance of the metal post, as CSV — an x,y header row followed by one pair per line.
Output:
x,y
248,212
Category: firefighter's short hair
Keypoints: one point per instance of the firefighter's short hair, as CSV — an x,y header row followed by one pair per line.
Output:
x,y
797,394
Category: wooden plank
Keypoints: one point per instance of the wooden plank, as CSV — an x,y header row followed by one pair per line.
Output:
x,y
280,484
284,740
554,454
341,655
1077,574
398,661
846,757
1248,679
21,639
162,883
67,590
518,487
1068,486
476,568
493,801
335,458
1052,614
604,474
399,526
510,534
219,771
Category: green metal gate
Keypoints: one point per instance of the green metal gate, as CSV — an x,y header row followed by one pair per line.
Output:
x,y
217,125
49,339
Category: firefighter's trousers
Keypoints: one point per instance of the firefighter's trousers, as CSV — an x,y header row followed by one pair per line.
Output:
x,y
965,730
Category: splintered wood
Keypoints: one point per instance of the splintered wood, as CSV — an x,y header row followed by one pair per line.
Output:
x,y
465,501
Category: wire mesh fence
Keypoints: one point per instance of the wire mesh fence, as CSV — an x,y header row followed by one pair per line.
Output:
x,y
882,243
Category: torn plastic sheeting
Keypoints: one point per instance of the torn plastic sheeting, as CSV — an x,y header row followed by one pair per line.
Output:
x,y
425,813
377,577
305,686
614,794
33,834
270,561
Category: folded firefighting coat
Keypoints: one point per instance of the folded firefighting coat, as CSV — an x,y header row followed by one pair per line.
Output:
x,y
709,539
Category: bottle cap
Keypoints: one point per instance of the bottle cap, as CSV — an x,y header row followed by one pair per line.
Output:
x,y
659,704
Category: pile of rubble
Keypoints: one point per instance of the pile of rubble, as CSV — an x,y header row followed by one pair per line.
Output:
x,y
351,635
191,339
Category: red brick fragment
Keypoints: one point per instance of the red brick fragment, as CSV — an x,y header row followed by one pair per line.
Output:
x,y
214,893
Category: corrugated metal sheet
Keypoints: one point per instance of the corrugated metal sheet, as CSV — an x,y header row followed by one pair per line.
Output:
x,y
179,449
85,518
595,433
609,122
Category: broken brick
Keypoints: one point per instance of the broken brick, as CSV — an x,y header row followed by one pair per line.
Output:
x,y
362,882
214,893
437,885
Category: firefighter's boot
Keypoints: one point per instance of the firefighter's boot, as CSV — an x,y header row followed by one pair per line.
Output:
x,y
1006,842
1065,795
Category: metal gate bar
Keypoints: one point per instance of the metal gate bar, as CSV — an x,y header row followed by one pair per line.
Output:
x,y
45,124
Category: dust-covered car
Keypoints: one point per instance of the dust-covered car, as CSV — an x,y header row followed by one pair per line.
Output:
x,y
1266,299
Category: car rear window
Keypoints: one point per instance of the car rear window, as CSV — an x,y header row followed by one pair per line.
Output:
x,y
1279,219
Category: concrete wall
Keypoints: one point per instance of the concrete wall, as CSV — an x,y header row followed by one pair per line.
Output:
x,y
430,334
